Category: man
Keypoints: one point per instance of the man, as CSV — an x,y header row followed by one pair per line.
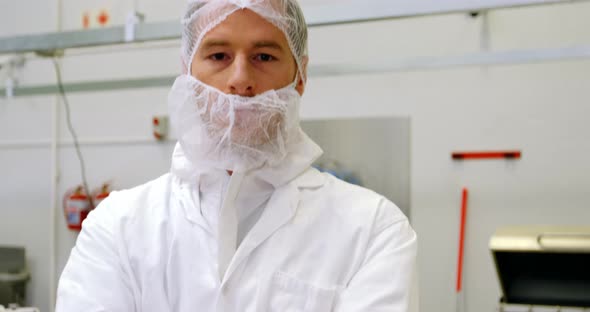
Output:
x,y
242,222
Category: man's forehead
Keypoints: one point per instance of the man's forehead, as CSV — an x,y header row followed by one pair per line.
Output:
x,y
220,42
214,12
261,34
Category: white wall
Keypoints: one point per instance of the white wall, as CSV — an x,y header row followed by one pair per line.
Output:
x,y
540,108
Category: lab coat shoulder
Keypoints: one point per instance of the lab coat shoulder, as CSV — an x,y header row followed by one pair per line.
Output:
x,y
356,206
380,245
131,205
99,263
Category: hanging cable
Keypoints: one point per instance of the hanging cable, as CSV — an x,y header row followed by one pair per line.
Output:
x,y
72,131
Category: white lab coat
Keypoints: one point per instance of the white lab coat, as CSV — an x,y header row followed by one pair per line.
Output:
x,y
319,245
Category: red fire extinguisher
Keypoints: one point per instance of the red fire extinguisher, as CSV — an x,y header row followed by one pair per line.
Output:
x,y
102,194
77,206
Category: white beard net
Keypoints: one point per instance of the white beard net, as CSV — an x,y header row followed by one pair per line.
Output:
x,y
233,132
203,15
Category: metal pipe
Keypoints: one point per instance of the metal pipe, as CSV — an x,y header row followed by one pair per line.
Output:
x,y
55,198
424,63
111,141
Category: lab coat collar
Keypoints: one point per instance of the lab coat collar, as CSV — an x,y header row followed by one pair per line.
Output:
x,y
295,167
287,178
282,207
300,158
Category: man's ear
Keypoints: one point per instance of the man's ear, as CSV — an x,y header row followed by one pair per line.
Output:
x,y
303,76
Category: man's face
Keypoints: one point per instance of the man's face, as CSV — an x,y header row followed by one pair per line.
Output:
x,y
245,55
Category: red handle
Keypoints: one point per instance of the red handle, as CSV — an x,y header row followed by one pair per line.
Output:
x,y
487,155
461,240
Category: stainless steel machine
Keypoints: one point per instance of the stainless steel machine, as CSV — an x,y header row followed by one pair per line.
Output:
x,y
543,268
13,275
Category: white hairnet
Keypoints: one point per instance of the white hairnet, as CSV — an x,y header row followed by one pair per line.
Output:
x,y
203,15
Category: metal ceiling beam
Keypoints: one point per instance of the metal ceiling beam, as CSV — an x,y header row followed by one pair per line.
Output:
x,y
360,11
316,15
88,38
93,86
497,58
426,63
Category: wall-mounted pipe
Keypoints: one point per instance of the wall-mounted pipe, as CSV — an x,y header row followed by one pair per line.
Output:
x,y
424,63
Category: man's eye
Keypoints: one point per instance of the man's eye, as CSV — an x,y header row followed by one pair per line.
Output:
x,y
265,57
218,56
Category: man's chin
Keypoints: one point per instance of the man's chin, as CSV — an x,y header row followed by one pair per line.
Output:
x,y
256,139
255,132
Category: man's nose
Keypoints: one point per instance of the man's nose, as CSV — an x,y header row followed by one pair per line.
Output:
x,y
241,80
